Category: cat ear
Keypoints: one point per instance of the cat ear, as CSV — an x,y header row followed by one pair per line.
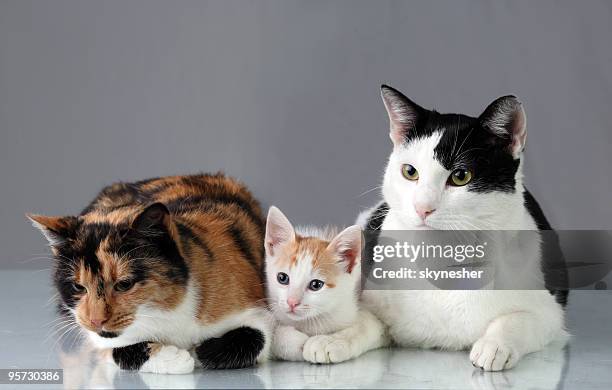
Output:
x,y
279,231
57,230
152,219
347,245
403,113
506,119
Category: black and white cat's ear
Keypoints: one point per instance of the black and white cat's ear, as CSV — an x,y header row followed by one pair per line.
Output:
x,y
152,219
56,230
279,231
347,246
506,119
403,113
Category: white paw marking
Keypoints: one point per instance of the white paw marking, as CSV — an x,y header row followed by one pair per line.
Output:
x,y
326,349
493,355
169,360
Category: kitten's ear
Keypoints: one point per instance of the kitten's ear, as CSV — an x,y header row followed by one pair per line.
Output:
x,y
403,113
279,231
506,119
347,245
57,230
152,219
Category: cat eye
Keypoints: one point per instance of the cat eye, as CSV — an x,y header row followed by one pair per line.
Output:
x,y
124,285
316,285
460,177
282,278
78,288
410,172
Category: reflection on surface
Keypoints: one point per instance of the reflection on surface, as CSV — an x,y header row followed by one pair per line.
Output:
x,y
85,367
28,339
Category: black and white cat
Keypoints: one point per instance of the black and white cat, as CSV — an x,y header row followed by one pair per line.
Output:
x,y
455,172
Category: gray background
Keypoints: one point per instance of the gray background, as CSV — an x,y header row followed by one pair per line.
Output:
x,y
284,95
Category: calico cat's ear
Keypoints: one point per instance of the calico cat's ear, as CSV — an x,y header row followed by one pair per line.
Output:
x,y
505,118
279,231
152,219
56,229
403,113
347,245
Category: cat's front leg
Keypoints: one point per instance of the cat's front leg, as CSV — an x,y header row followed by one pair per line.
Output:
x,y
288,343
366,333
155,358
513,335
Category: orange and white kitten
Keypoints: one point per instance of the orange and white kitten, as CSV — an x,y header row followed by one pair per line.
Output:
x,y
313,290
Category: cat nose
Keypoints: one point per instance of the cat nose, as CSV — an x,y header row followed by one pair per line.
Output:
x,y
97,322
293,303
424,211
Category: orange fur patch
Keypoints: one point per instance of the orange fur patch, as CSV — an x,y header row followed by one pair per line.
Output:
x,y
315,248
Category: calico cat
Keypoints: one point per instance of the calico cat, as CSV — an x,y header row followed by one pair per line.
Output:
x,y
456,172
313,290
163,269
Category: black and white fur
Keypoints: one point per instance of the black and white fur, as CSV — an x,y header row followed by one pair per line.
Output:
x,y
499,326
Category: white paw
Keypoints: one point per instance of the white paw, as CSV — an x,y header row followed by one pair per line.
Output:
x,y
491,354
169,360
288,343
326,349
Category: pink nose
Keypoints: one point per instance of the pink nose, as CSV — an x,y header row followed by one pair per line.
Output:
x,y
293,303
97,322
424,212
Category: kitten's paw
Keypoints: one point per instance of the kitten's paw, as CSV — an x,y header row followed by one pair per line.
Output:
x,y
326,349
169,360
492,354
288,343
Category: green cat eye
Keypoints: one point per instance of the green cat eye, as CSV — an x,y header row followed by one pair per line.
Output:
x,y
460,177
410,172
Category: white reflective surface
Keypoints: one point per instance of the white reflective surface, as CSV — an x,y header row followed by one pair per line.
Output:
x,y
27,340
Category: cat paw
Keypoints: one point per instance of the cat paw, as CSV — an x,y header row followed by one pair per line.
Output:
x,y
169,360
326,349
288,343
493,355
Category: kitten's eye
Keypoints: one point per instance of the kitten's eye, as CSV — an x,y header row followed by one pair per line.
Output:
x,y
78,288
316,285
460,177
410,172
124,285
282,278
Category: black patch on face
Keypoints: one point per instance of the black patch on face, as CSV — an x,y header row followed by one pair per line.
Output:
x,y
71,252
464,144
62,279
133,356
237,348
